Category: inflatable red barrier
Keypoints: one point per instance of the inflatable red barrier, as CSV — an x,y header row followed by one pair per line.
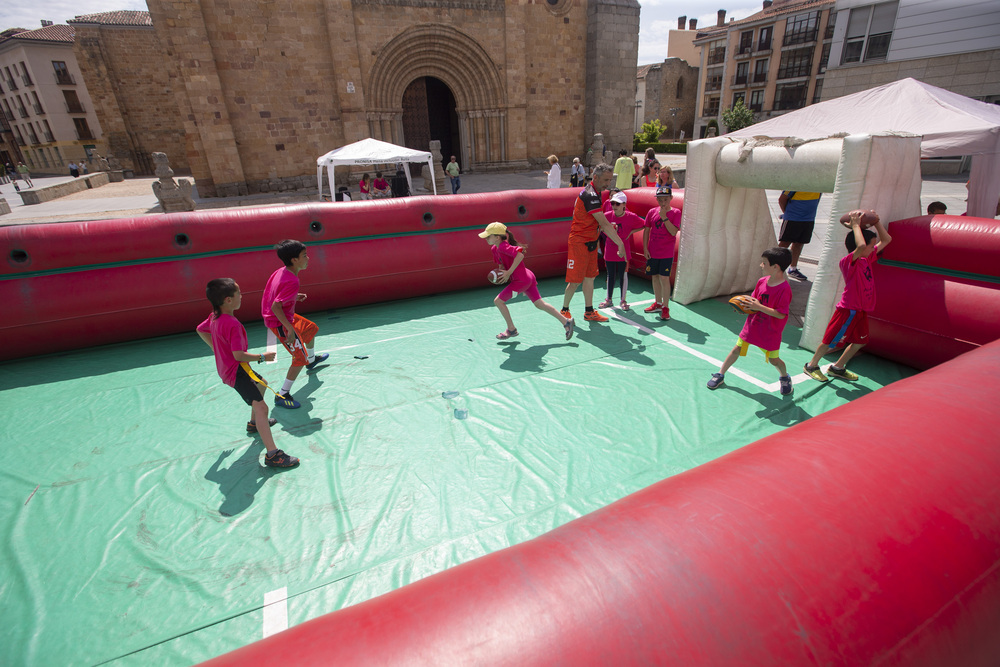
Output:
x,y
867,535
938,286
74,285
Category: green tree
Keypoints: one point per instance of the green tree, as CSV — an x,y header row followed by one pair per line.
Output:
x,y
738,116
650,132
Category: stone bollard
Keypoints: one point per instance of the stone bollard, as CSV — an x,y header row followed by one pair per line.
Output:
x,y
173,196
4,206
439,177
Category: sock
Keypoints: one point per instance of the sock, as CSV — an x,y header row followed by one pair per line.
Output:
x,y
590,309
311,355
287,386
271,454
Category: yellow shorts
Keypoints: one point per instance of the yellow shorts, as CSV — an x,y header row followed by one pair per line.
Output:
x,y
744,346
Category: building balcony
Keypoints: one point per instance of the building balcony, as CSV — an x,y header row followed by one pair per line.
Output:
x,y
759,79
26,80
8,115
20,142
33,139
11,84
85,135
713,84
74,108
743,53
717,56
38,109
740,80
48,138
764,46
22,113
65,79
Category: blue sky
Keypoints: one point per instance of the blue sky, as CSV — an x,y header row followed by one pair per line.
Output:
x,y
656,17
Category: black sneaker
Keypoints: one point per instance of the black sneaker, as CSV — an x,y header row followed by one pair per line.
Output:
x,y
252,428
286,401
320,358
717,380
785,383
280,460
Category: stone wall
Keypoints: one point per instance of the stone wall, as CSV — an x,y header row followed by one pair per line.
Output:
x,y
265,88
612,48
975,74
661,96
127,74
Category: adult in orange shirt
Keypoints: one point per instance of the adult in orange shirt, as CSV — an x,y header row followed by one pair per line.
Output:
x,y
588,223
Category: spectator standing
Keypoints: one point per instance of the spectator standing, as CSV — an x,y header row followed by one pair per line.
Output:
x,y
453,175
624,170
554,173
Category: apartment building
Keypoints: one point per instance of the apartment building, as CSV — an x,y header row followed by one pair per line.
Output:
x,y
773,60
43,99
952,45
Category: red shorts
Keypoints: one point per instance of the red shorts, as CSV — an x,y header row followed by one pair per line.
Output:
x,y
846,327
581,263
305,331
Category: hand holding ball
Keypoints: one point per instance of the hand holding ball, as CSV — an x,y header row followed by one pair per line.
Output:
x,y
739,304
868,218
494,276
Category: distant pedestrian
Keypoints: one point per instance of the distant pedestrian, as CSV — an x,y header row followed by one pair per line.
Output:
x,y
554,173
454,172
74,170
624,170
577,174
25,173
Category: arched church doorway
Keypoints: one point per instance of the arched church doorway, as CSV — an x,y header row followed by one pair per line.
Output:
x,y
428,114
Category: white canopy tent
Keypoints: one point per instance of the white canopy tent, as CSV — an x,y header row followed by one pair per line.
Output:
x,y
950,125
370,151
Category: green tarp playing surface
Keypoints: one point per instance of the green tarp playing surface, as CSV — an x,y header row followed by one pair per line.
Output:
x,y
141,527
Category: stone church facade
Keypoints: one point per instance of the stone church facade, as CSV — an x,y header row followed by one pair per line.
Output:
x,y
264,88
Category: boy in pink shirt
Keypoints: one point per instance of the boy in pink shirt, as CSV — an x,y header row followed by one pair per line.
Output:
x,y
662,225
849,323
277,307
625,222
228,340
770,302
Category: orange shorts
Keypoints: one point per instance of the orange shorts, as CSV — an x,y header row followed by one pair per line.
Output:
x,y
581,263
305,331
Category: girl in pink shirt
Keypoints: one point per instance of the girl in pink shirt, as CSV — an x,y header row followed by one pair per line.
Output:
x,y
625,222
509,258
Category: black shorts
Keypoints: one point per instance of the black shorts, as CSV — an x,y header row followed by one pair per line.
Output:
x,y
659,266
246,388
794,231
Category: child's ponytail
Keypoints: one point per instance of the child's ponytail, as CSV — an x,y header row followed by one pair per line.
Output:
x,y
513,241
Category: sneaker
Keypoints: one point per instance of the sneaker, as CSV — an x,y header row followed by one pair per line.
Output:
x,y
815,373
786,385
565,313
280,460
665,313
507,333
252,428
624,305
286,401
317,360
594,316
718,379
841,373
570,324
653,307
606,303
794,272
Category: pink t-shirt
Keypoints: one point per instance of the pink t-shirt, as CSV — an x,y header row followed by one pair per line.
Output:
x,y
661,241
624,225
761,329
228,335
504,254
283,286
859,290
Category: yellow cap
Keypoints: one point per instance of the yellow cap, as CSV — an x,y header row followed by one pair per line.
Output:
x,y
497,228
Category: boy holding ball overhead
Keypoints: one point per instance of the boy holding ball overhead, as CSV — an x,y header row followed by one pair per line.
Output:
x,y
770,303
848,326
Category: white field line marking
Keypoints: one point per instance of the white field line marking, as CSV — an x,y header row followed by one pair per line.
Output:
x,y
275,611
272,346
769,387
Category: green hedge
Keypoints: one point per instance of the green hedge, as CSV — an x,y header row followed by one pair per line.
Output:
x,y
661,148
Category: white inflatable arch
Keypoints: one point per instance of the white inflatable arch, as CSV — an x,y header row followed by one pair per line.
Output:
x,y
726,223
